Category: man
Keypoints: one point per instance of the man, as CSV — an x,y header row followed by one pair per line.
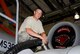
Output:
x,y
32,28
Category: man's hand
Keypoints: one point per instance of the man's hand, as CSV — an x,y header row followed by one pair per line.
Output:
x,y
43,35
44,40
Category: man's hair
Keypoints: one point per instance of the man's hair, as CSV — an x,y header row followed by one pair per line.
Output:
x,y
38,10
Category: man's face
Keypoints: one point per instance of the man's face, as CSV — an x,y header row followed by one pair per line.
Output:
x,y
38,13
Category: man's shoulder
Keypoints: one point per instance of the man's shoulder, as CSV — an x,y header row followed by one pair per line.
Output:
x,y
29,17
39,21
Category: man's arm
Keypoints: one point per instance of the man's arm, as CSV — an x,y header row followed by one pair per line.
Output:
x,y
43,34
32,33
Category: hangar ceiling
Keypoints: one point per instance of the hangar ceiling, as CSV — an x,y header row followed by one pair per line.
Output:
x,y
53,10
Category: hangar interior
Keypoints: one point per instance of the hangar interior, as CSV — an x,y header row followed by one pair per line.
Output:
x,y
54,11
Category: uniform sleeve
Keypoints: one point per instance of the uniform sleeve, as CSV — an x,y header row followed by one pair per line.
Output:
x,y
28,23
41,30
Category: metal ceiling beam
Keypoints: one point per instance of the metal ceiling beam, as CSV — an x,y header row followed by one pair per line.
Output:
x,y
51,17
55,4
37,5
26,6
50,5
57,18
61,3
66,10
53,13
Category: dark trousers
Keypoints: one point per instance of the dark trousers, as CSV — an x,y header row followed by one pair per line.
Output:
x,y
32,44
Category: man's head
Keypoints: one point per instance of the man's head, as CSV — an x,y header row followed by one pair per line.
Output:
x,y
37,13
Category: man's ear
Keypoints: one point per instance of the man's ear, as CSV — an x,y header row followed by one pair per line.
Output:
x,y
34,12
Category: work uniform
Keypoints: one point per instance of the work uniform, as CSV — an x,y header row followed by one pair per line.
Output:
x,y
30,22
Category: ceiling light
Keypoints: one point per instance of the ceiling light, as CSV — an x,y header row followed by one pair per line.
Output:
x,y
76,16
